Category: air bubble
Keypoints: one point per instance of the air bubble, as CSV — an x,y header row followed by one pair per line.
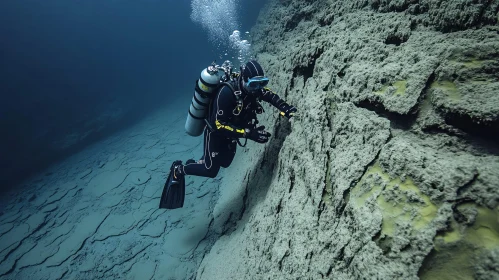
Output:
x,y
218,18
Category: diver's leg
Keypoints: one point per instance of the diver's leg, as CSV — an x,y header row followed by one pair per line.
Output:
x,y
210,164
227,153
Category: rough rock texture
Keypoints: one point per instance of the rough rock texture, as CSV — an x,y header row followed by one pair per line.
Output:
x,y
390,169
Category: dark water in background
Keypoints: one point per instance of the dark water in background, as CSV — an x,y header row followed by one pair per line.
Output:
x,y
64,64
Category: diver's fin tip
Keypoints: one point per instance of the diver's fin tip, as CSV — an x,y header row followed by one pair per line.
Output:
x,y
173,192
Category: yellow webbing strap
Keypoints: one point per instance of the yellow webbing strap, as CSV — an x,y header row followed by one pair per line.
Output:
x,y
226,127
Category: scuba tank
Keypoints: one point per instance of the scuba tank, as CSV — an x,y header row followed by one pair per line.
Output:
x,y
204,92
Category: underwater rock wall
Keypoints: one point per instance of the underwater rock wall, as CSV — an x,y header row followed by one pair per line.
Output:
x,y
390,170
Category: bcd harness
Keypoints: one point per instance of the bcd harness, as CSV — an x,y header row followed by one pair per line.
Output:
x,y
229,82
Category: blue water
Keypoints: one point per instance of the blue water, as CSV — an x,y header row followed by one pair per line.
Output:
x,y
65,63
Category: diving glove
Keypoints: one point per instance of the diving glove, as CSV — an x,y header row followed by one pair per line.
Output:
x,y
258,134
287,110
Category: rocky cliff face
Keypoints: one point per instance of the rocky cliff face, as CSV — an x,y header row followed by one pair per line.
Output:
x,y
391,170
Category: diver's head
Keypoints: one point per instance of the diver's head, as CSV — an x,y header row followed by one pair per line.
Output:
x,y
253,78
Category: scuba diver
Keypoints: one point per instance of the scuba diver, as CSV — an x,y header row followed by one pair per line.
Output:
x,y
224,109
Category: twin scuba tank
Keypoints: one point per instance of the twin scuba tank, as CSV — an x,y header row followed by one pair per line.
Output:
x,y
205,90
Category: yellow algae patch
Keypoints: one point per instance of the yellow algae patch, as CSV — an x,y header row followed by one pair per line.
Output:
x,y
419,212
449,265
449,88
457,250
399,201
484,232
473,62
427,213
399,88
470,61
381,91
369,179
392,213
450,236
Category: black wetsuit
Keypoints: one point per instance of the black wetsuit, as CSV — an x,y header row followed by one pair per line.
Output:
x,y
228,124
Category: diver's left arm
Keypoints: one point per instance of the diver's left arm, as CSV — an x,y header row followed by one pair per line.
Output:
x,y
274,99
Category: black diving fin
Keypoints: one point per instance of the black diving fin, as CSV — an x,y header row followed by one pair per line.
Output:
x,y
173,192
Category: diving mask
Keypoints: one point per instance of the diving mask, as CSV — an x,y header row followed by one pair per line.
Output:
x,y
257,82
